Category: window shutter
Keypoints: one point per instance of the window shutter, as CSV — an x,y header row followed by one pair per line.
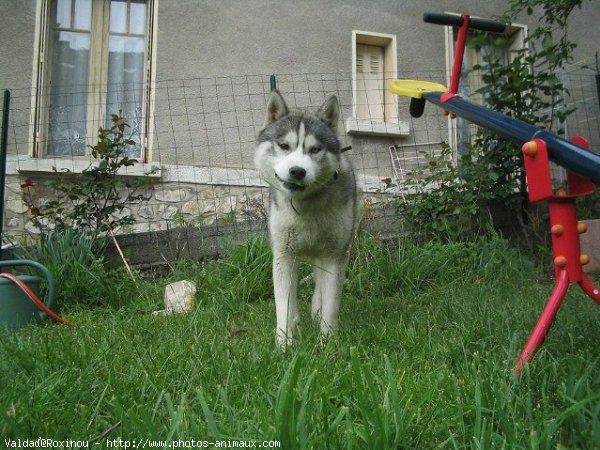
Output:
x,y
369,80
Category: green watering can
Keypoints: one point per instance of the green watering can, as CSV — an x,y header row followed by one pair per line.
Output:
x,y
16,308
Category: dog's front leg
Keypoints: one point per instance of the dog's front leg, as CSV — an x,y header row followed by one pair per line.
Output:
x,y
329,279
285,282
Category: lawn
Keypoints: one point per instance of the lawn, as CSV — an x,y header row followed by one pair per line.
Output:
x,y
424,357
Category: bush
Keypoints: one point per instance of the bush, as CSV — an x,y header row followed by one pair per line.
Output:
x,y
95,201
86,209
441,204
447,204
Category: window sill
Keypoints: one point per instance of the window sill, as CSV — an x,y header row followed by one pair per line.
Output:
x,y
29,165
369,128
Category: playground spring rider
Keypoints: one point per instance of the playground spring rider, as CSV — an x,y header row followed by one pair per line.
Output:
x,y
539,147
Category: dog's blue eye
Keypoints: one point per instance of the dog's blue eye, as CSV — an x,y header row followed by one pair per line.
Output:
x,y
283,146
314,150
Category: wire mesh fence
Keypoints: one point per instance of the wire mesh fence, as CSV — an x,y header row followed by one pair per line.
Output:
x,y
583,95
194,139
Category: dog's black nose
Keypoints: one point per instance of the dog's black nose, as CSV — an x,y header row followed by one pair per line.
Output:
x,y
297,172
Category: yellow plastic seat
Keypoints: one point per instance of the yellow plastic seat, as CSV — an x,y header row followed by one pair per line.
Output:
x,y
415,88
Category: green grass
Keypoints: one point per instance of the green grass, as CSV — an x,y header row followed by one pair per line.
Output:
x,y
424,357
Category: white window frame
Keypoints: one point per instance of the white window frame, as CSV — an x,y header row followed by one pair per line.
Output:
x,y
390,125
96,114
518,31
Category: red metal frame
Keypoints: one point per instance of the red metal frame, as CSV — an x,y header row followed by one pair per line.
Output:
x,y
459,52
565,230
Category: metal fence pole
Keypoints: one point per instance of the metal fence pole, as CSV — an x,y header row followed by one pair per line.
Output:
x,y
3,153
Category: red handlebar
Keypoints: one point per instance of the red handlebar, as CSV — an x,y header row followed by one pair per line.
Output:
x,y
454,20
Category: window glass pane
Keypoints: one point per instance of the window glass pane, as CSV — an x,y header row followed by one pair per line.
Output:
x,y
83,14
71,60
118,16
63,13
68,94
137,17
125,84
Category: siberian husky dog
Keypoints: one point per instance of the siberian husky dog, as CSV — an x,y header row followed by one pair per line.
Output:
x,y
312,208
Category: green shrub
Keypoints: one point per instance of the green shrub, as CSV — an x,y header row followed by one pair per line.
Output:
x,y
440,203
95,200
86,208
448,203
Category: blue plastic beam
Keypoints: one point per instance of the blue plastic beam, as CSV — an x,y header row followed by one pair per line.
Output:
x,y
567,154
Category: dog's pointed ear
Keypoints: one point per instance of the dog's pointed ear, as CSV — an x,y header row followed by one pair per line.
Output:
x,y
329,112
276,108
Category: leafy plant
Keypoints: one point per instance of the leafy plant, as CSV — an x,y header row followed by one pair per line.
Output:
x,y
82,280
57,247
440,202
526,87
95,201
491,170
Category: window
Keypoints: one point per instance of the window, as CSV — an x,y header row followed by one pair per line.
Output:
x,y
375,109
94,61
462,132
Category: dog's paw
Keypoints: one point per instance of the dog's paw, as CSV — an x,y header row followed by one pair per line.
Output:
x,y
284,340
315,313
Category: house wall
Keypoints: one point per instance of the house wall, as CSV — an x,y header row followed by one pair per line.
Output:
x,y
289,39
17,29
212,67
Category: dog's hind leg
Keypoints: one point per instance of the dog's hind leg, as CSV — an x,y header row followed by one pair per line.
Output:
x,y
285,282
329,277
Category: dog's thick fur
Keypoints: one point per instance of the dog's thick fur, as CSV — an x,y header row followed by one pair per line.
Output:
x,y
312,208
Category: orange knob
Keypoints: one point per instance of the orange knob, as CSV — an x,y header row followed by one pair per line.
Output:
x,y
581,227
530,148
557,230
561,193
560,261
584,259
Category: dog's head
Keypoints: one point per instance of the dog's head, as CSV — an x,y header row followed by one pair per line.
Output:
x,y
298,152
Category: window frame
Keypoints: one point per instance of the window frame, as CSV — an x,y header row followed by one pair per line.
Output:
x,y
97,79
390,125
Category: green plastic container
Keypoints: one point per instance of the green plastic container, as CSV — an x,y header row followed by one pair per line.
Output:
x,y
16,308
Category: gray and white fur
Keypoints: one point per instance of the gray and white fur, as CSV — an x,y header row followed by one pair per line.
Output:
x,y
313,203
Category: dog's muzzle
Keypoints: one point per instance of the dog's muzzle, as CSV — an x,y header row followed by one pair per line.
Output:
x,y
293,187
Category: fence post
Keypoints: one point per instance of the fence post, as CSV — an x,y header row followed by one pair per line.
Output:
x,y
3,153
598,78
598,88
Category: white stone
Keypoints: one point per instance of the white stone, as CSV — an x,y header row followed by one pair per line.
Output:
x,y
179,297
146,212
191,208
16,206
145,227
171,195
167,212
32,229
